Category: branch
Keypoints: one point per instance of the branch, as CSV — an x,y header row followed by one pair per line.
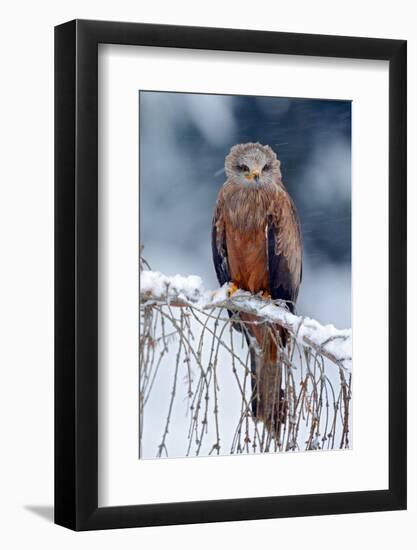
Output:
x,y
332,343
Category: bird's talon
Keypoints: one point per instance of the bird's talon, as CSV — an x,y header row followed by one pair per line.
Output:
x,y
232,289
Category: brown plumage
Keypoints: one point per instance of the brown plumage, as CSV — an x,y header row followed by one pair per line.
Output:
x,y
256,246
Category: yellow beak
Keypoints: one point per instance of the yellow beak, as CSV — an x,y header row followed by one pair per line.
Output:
x,y
252,175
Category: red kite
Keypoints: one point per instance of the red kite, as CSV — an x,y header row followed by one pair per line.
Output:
x,y
256,245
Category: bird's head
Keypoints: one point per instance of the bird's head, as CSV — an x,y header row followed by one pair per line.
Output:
x,y
252,164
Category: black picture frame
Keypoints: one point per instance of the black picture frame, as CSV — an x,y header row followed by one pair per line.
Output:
x,y
76,272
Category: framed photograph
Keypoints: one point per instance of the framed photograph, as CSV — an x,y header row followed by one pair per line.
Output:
x,y
230,253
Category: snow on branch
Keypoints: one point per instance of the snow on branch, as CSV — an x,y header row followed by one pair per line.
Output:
x,y
187,334
332,343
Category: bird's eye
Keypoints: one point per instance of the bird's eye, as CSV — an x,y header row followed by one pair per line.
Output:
x,y
266,167
243,168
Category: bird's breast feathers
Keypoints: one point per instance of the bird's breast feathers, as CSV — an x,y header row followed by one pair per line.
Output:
x,y
245,215
247,208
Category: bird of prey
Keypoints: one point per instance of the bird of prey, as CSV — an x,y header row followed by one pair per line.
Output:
x,y
256,246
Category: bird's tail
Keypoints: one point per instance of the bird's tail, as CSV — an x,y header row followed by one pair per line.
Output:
x,y
267,403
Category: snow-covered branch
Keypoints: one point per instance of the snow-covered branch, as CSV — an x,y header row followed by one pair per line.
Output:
x,y
330,342
187,334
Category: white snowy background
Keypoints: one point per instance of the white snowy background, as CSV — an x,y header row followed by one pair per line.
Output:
x,y
183,141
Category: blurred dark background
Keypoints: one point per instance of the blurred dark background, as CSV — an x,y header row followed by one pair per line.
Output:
x,y
184,139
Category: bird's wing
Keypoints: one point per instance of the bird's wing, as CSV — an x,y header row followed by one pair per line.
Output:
x,y
284,250
218,243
